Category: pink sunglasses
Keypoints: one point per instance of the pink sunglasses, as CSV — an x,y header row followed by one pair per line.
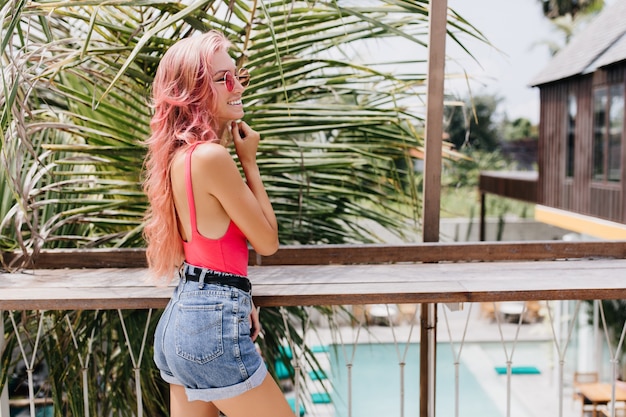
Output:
x,y
243,76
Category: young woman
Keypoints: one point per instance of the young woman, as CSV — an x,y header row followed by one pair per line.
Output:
x,y
202,216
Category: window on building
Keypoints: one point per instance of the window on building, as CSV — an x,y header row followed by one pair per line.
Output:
x,y
599,132
572,108
616,127
608,123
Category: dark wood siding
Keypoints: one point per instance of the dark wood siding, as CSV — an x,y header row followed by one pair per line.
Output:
x,y
552,131
584,135
579,193
606,202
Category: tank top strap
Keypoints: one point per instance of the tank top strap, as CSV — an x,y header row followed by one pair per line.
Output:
x,y
191,202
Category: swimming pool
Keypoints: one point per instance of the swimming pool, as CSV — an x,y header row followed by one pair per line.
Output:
x,y
376,382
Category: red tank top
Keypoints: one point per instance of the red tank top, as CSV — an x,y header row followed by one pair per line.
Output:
x,y
228,253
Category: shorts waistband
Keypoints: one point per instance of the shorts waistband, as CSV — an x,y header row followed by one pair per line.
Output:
x,y
210,276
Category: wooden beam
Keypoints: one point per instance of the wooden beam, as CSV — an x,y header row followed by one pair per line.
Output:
x,y
437,28
577,222
78,258
438,15
303,285
442,252
519,185
350,254
4,394
483,215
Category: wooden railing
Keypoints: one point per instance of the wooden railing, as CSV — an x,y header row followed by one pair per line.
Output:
x,y
348,254
340,274
423,274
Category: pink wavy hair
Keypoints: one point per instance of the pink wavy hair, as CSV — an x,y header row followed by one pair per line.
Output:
x,y
182,99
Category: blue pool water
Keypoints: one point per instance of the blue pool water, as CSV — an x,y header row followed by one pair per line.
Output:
x,y
376,383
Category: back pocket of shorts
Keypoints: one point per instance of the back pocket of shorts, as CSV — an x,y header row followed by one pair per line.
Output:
x,y
199,332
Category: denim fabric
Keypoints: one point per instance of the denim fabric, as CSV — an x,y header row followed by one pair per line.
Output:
x,y
202,342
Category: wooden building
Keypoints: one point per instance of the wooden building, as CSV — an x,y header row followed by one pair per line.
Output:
x,y
581,180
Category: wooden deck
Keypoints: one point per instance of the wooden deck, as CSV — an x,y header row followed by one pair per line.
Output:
x,y
565,271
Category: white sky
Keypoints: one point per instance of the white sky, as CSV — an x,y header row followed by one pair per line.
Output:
x,y
515,27
518,32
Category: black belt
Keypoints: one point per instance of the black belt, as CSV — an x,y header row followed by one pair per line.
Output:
x,y
209,276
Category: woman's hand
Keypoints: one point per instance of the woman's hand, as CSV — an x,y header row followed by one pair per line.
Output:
x,y
259,226
246,141
255,324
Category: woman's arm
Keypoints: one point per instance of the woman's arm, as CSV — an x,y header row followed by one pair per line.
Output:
x,y
246,203
246,143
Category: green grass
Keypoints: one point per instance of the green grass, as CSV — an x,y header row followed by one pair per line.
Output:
x,y
464,202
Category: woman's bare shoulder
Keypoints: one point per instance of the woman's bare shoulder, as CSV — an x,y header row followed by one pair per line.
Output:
x,y
212,155
211,149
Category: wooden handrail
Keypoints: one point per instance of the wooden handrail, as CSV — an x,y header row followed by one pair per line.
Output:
x,y
349,254
302,285
339,274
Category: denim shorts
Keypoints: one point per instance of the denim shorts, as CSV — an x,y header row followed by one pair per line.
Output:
x,y
202,342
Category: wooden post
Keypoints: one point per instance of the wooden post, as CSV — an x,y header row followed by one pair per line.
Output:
x,y
434,121
428,359
438,15
4,396
483,215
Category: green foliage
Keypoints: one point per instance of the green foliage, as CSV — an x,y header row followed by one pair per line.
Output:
x,y
101,351
553,9
472,123
615,316
465,172
613,313
460,184
519,128
77,79
568,17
